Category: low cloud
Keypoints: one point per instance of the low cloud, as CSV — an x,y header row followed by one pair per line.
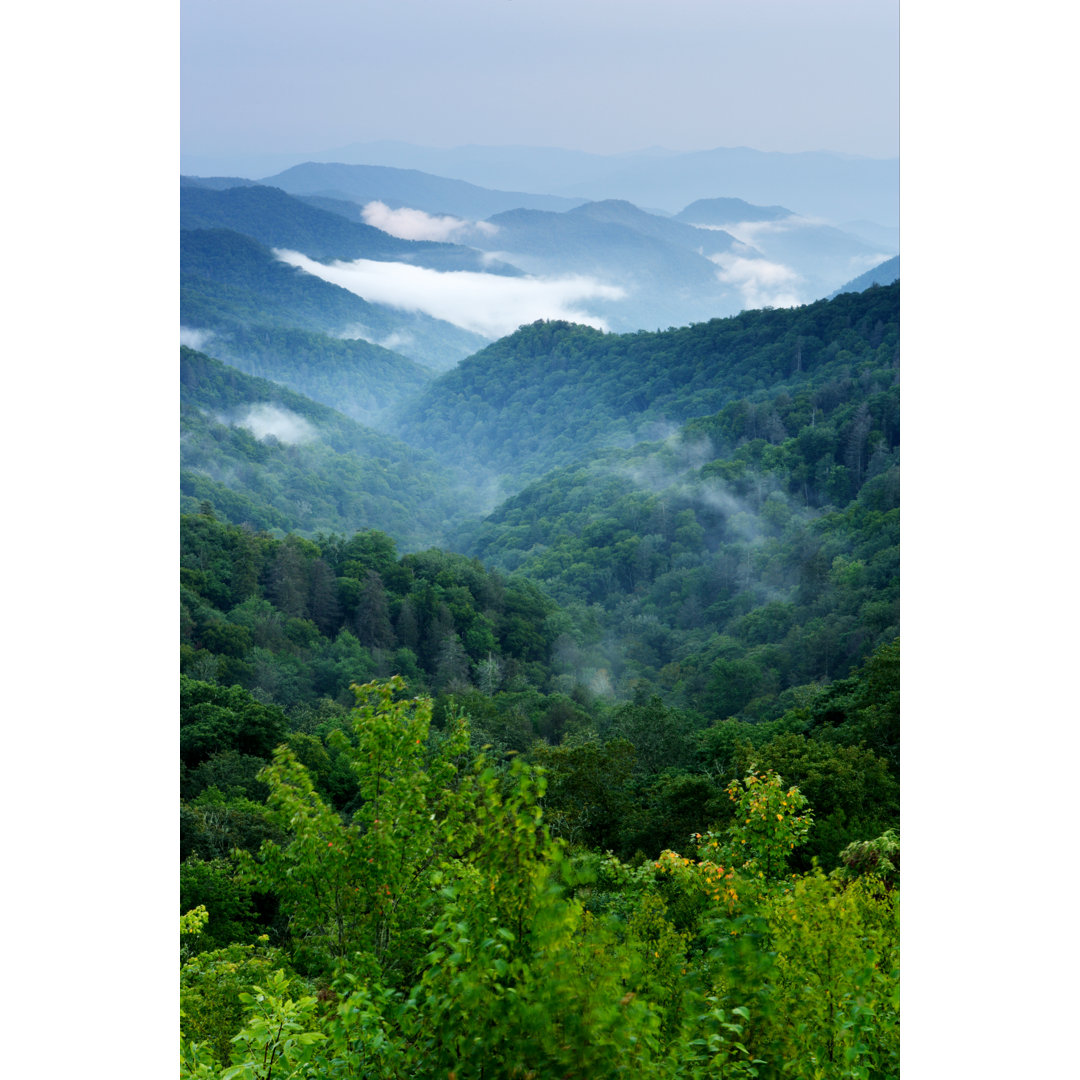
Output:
x,y
396,339
267,420
761,283
487,304
408,224
751,232
195,339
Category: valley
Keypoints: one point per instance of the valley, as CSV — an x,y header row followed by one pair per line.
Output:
x,y
472,544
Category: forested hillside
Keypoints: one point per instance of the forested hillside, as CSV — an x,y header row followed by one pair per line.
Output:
x,y
553,393
365,382
883,274
272,459
603,783
229,281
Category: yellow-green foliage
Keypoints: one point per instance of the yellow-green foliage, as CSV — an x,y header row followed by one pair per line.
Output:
x,y
837,977
211,985
457,939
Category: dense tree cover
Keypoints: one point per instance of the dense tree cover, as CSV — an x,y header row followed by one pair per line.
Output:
x,y
756,551
354,377
226,277
573,854
292,623
273,632
229,282
295,620
554,393
271,458
644,773
439,930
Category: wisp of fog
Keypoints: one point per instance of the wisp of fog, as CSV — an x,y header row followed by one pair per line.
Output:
x,y
265,420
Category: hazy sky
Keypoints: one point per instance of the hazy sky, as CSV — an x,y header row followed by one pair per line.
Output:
x,y
602,75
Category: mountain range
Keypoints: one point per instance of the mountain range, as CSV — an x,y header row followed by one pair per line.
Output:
x,y
838,187
301,289
713,508
608,263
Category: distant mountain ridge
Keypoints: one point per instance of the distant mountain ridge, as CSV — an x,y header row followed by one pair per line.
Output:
x,y
277,219
839,187
835,186
673,229
409,187
728,211
606,262
663,265
216,183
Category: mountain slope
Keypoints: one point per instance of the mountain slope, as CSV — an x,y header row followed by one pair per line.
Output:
x,y
553,393
363,381
278,220
809,256
229,281
715,581
274,459
884,274
669,230
663,265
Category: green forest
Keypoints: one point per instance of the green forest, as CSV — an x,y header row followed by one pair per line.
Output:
x,y
552,729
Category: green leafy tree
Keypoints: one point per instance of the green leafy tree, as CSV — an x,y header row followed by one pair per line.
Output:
x,y
357,886
852,790
836,1011
769,822
216,718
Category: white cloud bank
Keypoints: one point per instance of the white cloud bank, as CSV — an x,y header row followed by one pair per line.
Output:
x,y
760,282
751,232
287,427
407,224
195,339
487,304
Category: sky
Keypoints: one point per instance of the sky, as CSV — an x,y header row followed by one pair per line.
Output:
x,y
609,76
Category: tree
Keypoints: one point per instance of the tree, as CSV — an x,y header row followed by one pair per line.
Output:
x,y
289,586
361,885
215,718
373,613
769,822
451,663
587,796
324,605
852,790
